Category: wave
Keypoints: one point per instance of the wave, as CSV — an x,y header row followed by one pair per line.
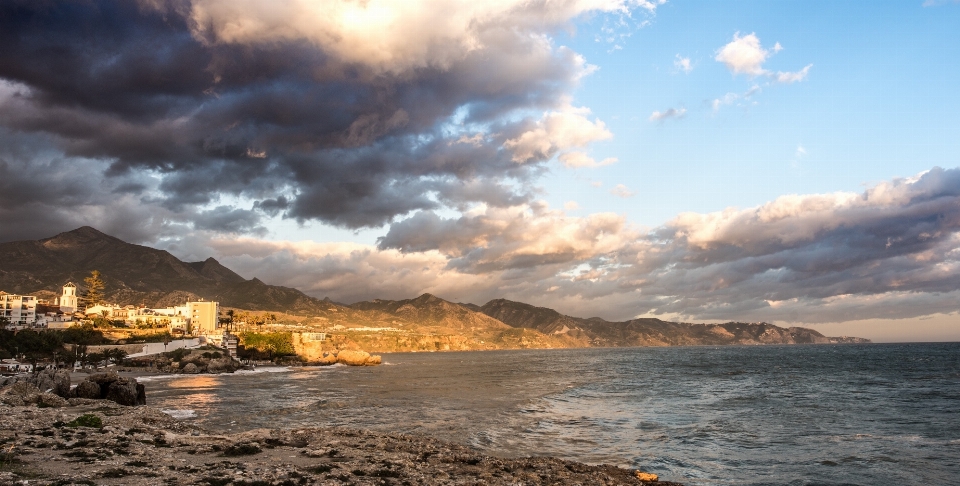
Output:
x,y
181,414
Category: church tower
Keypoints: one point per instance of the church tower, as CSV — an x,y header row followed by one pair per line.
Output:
x,y
68,301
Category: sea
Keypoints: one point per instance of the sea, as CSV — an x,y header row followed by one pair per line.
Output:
x,y
857,414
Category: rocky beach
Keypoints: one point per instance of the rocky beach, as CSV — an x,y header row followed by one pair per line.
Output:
x,y
46,438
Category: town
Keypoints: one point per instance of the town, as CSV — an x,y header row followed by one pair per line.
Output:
x,y
191,325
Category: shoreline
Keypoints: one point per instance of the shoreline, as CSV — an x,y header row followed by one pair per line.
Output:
x,y
147,445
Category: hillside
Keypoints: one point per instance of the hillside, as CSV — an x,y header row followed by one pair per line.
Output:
x,y
136,274
650,332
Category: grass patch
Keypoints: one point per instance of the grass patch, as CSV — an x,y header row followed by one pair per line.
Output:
x,y
87,420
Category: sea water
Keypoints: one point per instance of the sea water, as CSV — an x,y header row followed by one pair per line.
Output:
x,y
744,415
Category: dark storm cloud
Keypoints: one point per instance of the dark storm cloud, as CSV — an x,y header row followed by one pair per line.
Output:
x,y
135,85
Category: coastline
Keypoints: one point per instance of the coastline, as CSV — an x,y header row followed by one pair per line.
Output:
x,y
144,444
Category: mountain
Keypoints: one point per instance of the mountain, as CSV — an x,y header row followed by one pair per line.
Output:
x,y
136,274
650,332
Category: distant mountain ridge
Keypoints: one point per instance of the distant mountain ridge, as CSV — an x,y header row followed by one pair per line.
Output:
x,y
137,274
649,331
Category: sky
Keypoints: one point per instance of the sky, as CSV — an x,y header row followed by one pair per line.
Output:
x,y
793,162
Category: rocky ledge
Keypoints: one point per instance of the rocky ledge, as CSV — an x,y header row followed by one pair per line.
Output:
x,y
348,357
51,388
108,444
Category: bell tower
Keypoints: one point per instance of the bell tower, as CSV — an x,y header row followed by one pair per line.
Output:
x,y
68,301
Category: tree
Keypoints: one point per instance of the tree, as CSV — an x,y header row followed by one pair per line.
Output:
x,y
115,355
95,286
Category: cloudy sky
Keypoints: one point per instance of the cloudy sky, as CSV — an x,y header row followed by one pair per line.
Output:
x,y
792,162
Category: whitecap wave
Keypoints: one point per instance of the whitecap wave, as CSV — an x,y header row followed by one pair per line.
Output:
x,y
184,413
146,379
265,369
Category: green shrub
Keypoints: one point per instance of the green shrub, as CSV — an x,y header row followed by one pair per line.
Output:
x,y
86,420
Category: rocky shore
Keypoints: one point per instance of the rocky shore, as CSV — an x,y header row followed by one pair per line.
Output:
x,y
99,442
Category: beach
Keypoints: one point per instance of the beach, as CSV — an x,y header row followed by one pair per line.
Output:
x,y
146,446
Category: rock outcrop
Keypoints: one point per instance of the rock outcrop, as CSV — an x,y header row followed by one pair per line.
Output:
x,y
51,388
87,389
199,361
357,358
48,380
113,387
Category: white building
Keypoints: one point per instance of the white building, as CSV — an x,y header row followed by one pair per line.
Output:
x,y
19,310
53,320
68,301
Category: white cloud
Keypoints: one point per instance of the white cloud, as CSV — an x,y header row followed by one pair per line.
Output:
x,y
683,64
788,78
673,113
557,131
734,98
571,206
576,160
744,55
621,190
389,35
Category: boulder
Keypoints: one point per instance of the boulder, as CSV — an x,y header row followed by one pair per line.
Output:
x,y
123,391
61,380
113,387
44,381
191,368
51,400
357,358
104,380
326,360
646,477
87,389
20,394
222,365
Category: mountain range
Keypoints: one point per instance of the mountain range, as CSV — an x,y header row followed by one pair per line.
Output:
x,y
136,274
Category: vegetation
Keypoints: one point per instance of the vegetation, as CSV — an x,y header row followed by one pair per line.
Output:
x,y
86,420
94,292
157,337
177,354
268,345
33,346
248,319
